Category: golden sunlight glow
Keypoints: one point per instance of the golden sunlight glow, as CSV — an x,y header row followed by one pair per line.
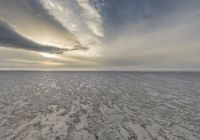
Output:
x,y
48,55
92,52
60,43
56,56
51,63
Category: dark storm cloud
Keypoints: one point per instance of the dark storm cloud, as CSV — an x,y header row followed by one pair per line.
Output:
x,y
9,38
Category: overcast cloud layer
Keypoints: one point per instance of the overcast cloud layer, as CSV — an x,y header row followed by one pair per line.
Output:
x,y
100,34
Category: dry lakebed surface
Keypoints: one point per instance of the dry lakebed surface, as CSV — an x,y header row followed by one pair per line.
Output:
x,y
99,105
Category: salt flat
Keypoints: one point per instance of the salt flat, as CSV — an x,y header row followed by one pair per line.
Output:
x,y
99,105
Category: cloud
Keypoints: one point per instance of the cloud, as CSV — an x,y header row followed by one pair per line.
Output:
x,y
165,40
92,17
117,34
79,17
35,22
10,38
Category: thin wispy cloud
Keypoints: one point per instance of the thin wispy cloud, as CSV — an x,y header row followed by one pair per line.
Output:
x,y
79,17
92,17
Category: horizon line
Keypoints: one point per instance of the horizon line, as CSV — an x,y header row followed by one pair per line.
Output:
x,y
25,70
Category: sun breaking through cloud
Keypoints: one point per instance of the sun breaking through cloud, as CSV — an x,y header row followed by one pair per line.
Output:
x,y
100,34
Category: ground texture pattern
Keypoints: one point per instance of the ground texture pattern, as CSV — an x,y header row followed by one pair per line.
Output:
x,y
99,106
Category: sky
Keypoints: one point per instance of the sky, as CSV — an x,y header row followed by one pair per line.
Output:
x,y
100,35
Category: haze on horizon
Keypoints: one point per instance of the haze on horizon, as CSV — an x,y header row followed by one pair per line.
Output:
x,y
100,34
